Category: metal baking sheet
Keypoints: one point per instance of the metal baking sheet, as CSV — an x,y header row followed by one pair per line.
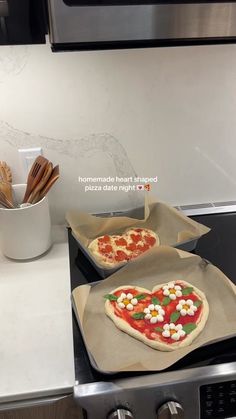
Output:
x,y
188,246
200,270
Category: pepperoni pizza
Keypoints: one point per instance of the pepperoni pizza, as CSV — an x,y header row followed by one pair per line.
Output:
x,y
111,250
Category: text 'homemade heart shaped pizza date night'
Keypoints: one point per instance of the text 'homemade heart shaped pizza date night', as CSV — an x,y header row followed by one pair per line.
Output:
x,y
111,250
168,318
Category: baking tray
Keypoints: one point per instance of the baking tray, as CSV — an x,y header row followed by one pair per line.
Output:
x,y
188,245
206,340
199,357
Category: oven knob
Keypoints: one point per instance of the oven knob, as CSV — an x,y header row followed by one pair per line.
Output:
x,y
170,410
121,414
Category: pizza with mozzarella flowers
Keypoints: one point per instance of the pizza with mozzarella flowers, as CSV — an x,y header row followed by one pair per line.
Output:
x,y
168,318
111,250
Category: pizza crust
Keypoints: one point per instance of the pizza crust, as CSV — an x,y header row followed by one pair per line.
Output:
x,y
105,262
158,345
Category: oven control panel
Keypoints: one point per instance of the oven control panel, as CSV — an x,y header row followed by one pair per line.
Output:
x,y
218,401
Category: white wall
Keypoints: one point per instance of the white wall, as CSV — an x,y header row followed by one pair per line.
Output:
x,y
168,112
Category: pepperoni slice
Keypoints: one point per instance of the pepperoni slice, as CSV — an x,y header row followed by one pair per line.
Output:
x,y
120,256
106,249
138,230
136,237
121,242
131,246
104,239
150,240
143,248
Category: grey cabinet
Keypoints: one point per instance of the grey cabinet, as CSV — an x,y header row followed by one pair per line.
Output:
x,y
64,408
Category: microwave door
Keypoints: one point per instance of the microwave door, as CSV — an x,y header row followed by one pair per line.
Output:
x,y
97,24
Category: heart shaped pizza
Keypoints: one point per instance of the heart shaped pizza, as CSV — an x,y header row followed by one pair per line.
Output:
x,y
111,250
168,318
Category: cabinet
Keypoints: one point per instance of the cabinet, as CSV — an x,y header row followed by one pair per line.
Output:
x,y
64,408
22,22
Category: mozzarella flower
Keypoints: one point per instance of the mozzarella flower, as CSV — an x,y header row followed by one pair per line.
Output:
x,y
173,331
127,301
186,307
154,313
172,291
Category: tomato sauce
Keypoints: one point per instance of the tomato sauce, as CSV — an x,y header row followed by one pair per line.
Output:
x,y
144,326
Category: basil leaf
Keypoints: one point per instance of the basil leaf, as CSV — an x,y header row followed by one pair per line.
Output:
x,y
189,327
158,329
111,297
166,301
140,296
138,316
197,303
187,291
155,301
174,316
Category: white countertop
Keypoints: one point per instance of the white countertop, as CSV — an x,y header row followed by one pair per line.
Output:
x,y
36,342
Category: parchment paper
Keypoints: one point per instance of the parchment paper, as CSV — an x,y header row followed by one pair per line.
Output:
x,y
114,350
172,227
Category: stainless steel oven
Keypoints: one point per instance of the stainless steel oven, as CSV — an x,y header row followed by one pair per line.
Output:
x,y
97,24
202,385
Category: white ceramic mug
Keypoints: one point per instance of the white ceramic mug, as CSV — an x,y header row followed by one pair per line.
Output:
x,y
25,233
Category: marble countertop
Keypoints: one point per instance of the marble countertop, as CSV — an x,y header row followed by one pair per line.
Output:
x,y
36,345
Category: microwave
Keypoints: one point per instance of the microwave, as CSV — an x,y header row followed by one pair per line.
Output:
x,y
101,24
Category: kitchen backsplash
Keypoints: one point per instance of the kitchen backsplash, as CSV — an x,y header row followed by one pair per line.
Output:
x,y
167,112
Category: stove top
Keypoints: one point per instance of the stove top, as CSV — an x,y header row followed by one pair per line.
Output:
x,y
218,247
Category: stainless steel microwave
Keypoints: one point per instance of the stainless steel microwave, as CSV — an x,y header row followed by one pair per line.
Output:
x,y
98,24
